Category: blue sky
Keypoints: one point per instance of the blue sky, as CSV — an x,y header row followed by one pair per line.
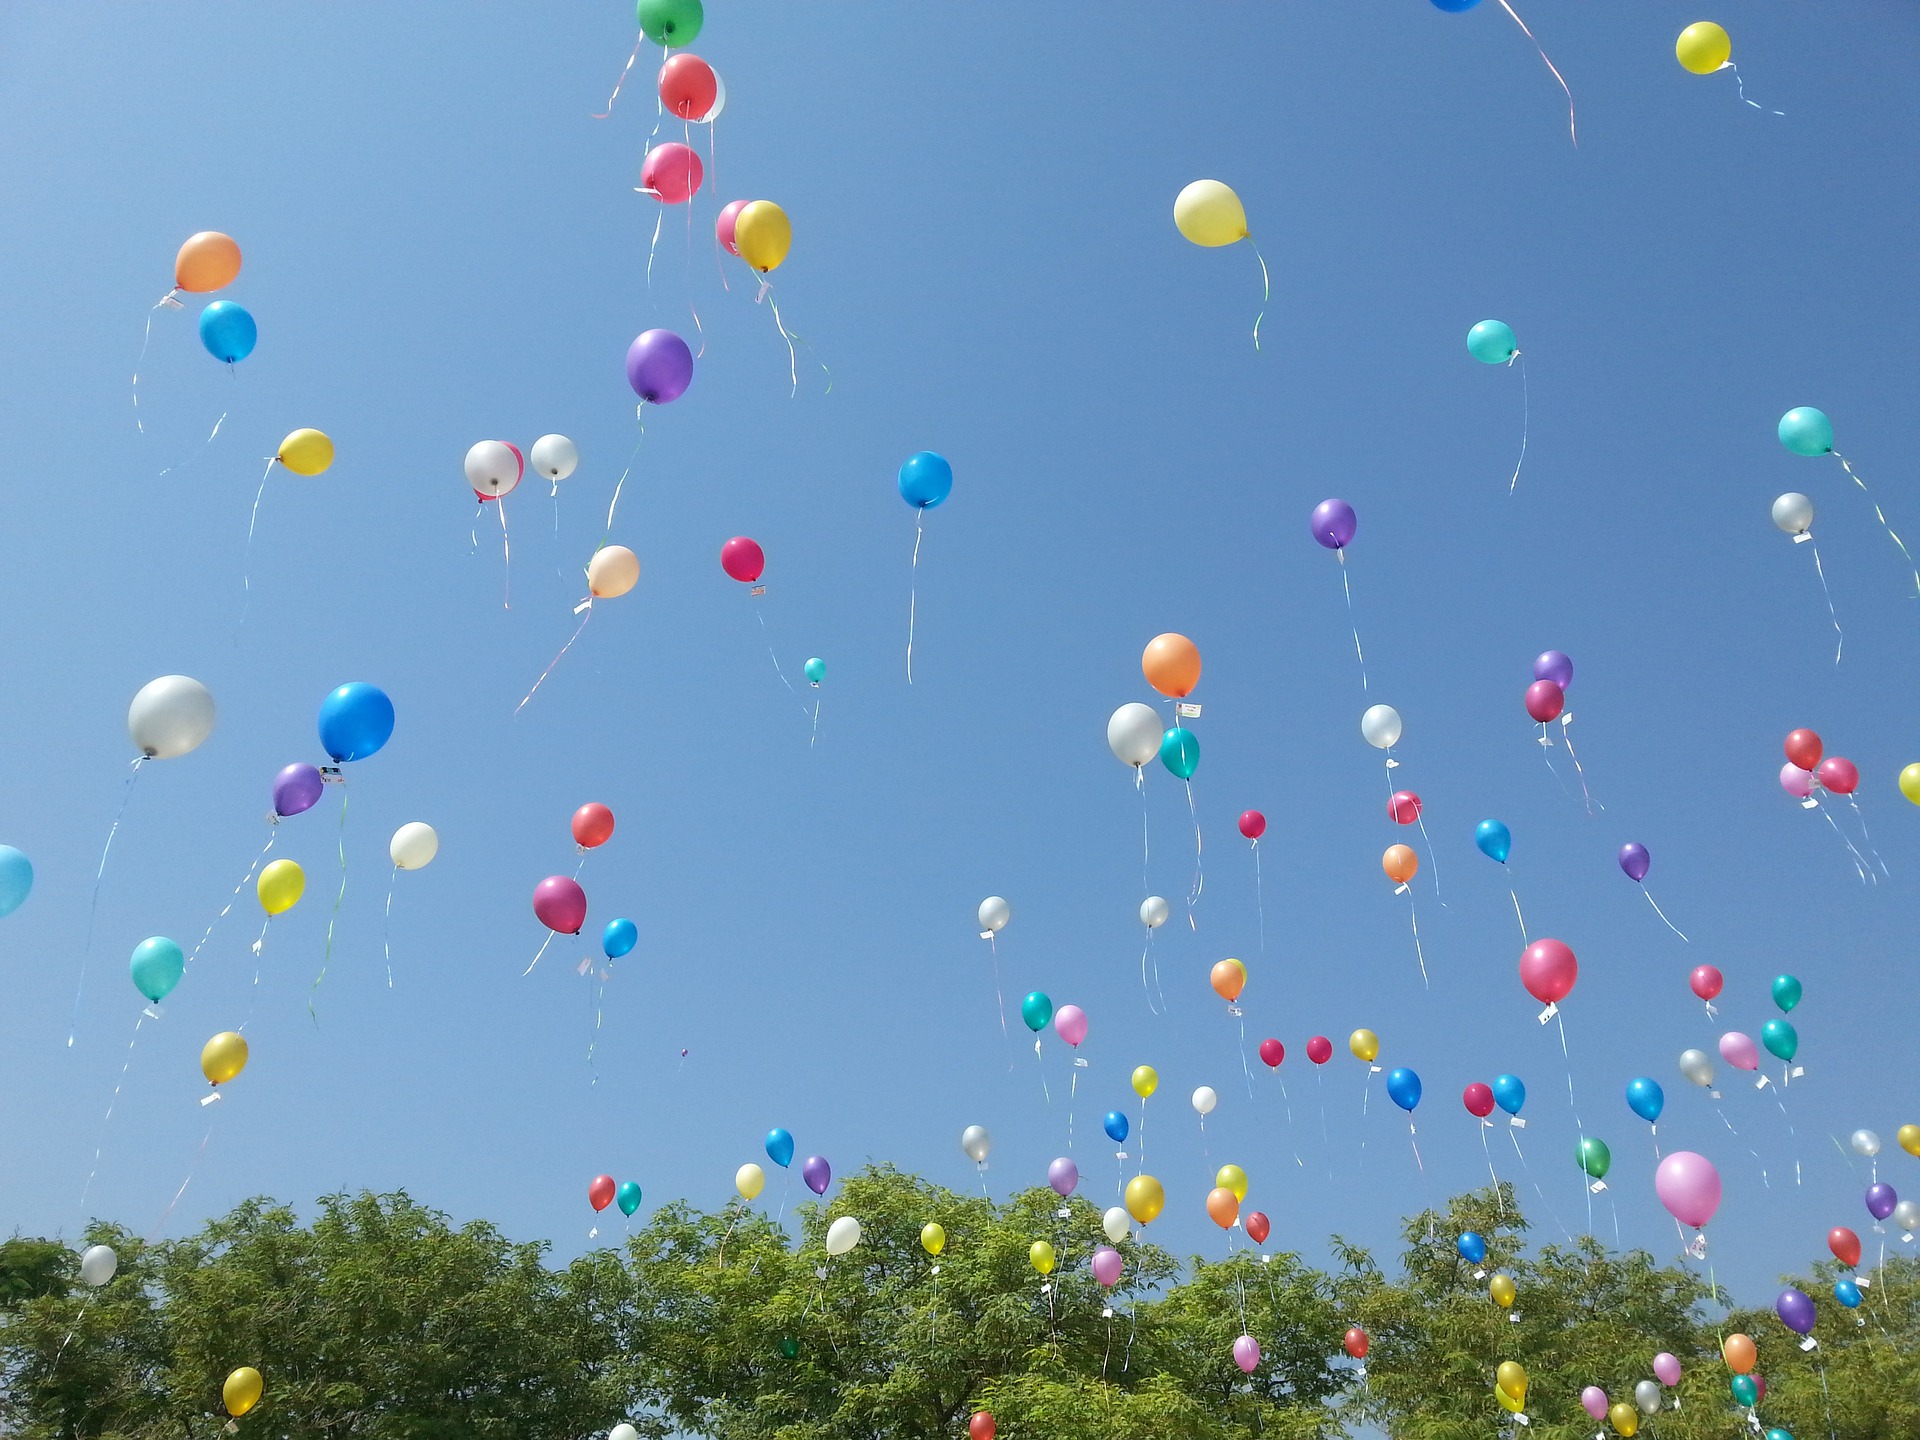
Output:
x,y
442,246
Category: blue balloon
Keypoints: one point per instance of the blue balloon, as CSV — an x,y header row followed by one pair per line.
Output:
x,y
925,480
157,966
780,1147
16,879
1454,7
1494,839
1116,1127
1646,1099
1472,1248
355,721
1847,1293
228,331
1403,1088
1508,1093
619,938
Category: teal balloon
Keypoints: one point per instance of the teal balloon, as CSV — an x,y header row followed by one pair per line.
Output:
x,y
1036,1010
1780,1038
1180,751
670,22
1492,343
1745,1390
157,966
1776,1433
815,670
16,879
627,1197
1806,431
1786,991
1494,839
1595,1158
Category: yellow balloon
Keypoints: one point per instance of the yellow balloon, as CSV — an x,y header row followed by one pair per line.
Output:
x,y
1511,1378
306,452
1626,1419
1146,1080
1146,1198
1507,1402
281,885
1209,213
1910,783
749,1180
1502,1291
1703,47
763,235
1232,1177
933,1237
242,1390
1365,1045
1909,1138
223,1057
1040,1253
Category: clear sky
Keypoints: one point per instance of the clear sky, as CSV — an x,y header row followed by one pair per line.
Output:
x,y
443,246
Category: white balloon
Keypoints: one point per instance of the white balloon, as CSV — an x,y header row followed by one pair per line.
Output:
x,y
1697,1067
719,100
414,845
1133,734
994,913
98,1265
1866,1143
976,1142
1647,1396
1117,1224
1907,1215
623,1431
612,572
555,456
1793,513
1204,1099
493,468
1153,911
843,1235
1380,727
170,717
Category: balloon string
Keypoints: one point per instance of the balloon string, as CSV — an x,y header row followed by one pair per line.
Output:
x,y
1546,753
1792,1134
195,455
538,953
1287,1101
473,530
913,590
259,949
1140,784
1413,913
326,956
686,268
1041,1066
762,617
585,616
1433,863
793,359
1245,1069
1326,1142
1199,879
1721,1111
506,558
640,40
386,926
1266,292
113,1100
1492,1175
613,504
165,302
1860,815
253,520
1259,900
1514,1136
813,740
1615,1211
1414,1140
1572,133
1526,420
93,905
659,219
207,935
1740,86
1840,638
596,1001
1366,1093
192,1169
1514,895
1566,734
1579,1125
1880,515
999,996
1347,585
1073,1095
1859,860
1663,914
1144,990
554,495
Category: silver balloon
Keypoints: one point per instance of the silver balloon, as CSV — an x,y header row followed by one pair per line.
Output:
x,y
1117,1224
1153,912
555,457
1380,727
1646,1395
493,468
994,913
98,1265
1204,1099
1866,1143
623,1431
976,1142
1697,1067
170,717
1907,1215
1133,734
1793,513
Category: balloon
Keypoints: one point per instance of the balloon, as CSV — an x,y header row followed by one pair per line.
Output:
x,y
98,1265
1780,1038
493,468
1740,1353
1805,431
600,1191
1145,1198
1257,1226
1380,726
1233,1178
280,886
296,789
670,22
1208,213
1703,47
1844,1244
1803,749
627,1197
1171,664
1635,861
1738,1050
1706,981
1745,1388
1252,824
933,1237
1910,783
976,1142
1500,1290
1107,1266
209,261
1646,1395
1153,912
1246,1353
815,670
749,1180
1626,1419
1881,1200
1492,342
994,913
728,218
1070,1024
1333,523
1666,1368
1355,1342
1063,1176
1222,1208
1471,1247
1697,1066
1509,1093
157,966
1364,1045
1839,775
1689,1187
1133,734
1229,979
1594,1157
843,1235
554,456
1319,1049
1793,513
592,825
816,1174
1180,751
1646,1099
1494,839
1545,700
1847,1292
1403,807
980,1426
1146,1080
1907,1215
925,480
228,331
170,717
306,452
619,937
1909,1138
1795,1310
1403,1088
762,235
1036,1010
1116,1127
1272,1052
779,1147
16,879
688,87
1116,1224
1204,1099
225,1056
659,366
1400,863
355,721
560,904
743,559
241,1391
1554,665
1511,1377
1478,1099
1548,969
612,572
1594,1401
1507,1402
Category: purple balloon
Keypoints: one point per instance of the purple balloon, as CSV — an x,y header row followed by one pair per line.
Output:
x,y
1880,1200
1554,665
1795,1311
297,788
1063,1175
1246,1353
659,367
817,1173
1333,524
1635,860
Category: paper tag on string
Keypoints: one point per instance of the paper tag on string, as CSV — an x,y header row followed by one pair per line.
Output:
x,y
1400,889
584,966
152,1012
209,1099
1046,1287
1120,1155
1697,1247
1063,1213
1809,803
1517,1123
1548,1013
1479,1274
821,1273
1596,1187
1761,1083
1079,1063
1809,1344
986,934
1802,537
1798,1071
1107,1314
1513,1318
758,590
1392,764
1713,1094
1187,710
1521,1420
1266,1259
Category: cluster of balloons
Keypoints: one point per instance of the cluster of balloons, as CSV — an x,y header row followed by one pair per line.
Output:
x,y
1546,697
758,231
1806,770
602,1192
207,262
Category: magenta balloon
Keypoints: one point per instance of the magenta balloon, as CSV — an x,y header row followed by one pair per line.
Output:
x,y
1548,969
1246,1353
1689,1187
1071,1022
671,173
1063,1175
561,904
723,227
817,1173
1666,1368
1334,524
297,788
1739,1051
1594,1401
659,367
1557,666
1635,860
1795,781
743,559
1545,700
1107,1266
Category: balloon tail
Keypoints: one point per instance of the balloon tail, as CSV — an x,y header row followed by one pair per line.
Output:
x,y
1366,1094
1413,1139
1880,515
1413,913
1245,1069
1514,895
1859,860
1721,1111
538,953
198,1155
506,559
1740,87
913,585
1347,586
207,934
1866,837
1266,292
622,78
1140,784
1572,133
793,358
586,614
1073,1096
1199,878
195,455
1526,420
1326,1142
386,926
1492,1175
93,905
596,1001
686,270
1663,914
1433,864
554,495
659,219
253,521
1566,734
259,951
1144,988
1040,1065
473,530
762,616
165,302
1840,638
113,1100
1514,1136
1259,900
613,504
333,919
814,739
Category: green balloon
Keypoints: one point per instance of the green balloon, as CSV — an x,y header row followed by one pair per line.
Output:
x,y
1492,342
1780,1038
1745,1391
1036,1010
815,670
789,1347
1786,991
1595,1158
1805,431
670,22
1180,751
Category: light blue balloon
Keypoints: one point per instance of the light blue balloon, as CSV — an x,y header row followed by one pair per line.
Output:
x,y
228,331
1491,342
1494,839
1454,7
1180,751
815,670
925,480
619,938
1472,1247
1847,1293
780,1147
157,966
16,879
355,721
1806,431
1646,1099
1508,1093
1403,1088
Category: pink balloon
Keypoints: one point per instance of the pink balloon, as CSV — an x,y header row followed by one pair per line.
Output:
x,y
1107,1266
743,559
1689,1187
1706,981
1071,1022
1795,781
1666,1368
1246,1353
1838,775
1545,700
1760,1387
1272,1052
723,227
1739,1051
1594,1401
561,904
671,173
1252,824
1548,969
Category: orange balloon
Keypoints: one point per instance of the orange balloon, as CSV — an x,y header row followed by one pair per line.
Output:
x,y
1229,979
1400,863
1741,1354
1171,664
208,261
1223,1207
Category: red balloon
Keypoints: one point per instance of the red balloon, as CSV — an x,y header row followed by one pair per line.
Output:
x,y
1803,748
1273,1052
1844,1244
1319,1049
1548,969
1759,1384
1838,775
1252,824
688,86
561,904
600,1191
1257,1226
592,825
1545,700
671,173
1706,981
723,227
980,1427
1357,1342
743,559
1404,807
1478,1099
